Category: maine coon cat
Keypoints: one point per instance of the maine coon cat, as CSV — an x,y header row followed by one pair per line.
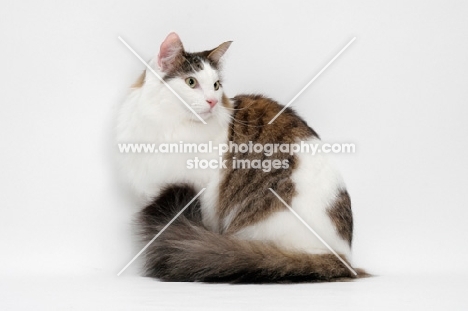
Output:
x,y
237,230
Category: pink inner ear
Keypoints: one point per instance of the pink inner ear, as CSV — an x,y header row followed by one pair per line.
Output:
x,y
159,61
168,50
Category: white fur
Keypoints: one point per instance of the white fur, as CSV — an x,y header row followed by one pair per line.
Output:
x,y
317,184
153,114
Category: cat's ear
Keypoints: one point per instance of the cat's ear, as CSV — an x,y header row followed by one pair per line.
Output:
x,y
170,49
216,54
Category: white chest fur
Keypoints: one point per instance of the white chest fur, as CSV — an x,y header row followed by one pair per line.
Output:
x,y
142,121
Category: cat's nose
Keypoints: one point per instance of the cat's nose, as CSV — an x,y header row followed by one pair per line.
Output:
x,y
212,102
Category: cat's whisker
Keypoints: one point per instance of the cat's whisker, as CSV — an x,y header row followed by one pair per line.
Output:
x,y
239,109
234,109
246,124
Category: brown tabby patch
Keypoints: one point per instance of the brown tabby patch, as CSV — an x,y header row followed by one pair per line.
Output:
x,y
342,216
245,191
187,63
140,81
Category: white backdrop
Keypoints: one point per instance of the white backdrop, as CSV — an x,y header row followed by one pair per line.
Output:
x,y
399,93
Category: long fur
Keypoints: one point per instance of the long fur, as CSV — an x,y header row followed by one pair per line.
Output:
x,y
187,251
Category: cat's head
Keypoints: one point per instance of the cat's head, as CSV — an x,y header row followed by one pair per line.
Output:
x,y
194,76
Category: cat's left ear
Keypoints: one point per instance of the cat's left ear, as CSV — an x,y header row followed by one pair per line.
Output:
x,y
216,54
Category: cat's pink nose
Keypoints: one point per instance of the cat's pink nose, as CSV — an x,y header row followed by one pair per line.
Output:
x,y
212,102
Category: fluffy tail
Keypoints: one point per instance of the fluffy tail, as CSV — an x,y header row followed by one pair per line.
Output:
x,y
187,251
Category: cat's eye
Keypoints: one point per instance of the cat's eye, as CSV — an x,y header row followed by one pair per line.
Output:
x,y
217,85
192,82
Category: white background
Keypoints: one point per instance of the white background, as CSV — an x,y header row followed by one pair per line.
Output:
x,y
399,93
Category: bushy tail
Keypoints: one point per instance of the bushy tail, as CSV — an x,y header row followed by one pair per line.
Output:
x,y
187,251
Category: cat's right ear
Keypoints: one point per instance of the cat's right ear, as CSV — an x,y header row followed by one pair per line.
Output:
x,y
170,49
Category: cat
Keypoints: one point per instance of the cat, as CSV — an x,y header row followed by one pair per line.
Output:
x,y
237,230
